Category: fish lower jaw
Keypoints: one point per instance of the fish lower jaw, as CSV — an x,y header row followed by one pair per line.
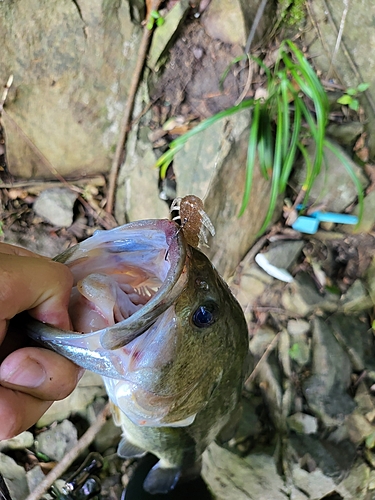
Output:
x,y
143,408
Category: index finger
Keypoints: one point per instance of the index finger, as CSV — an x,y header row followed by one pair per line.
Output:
x,y
34,284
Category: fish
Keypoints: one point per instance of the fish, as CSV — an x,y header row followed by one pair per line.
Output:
x,y
152,316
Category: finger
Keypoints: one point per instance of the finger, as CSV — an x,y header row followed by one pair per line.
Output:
x,y
13,417
15,250
35,284
40,373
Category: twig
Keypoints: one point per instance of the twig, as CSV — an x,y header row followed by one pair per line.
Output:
x,y
339,37
257,18
69,458
119,153
264,357
5,93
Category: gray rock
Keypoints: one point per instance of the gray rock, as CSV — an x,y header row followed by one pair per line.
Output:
x,y
233,478
137,193
359,347
333,187
55,205
108,436
71,78
367,222
212,165
57,441
15,477
302,296
326,389
261,340
298,327
354,63
284,254
345,133
23,440
34,477
89,387
230,21
303,423
356,299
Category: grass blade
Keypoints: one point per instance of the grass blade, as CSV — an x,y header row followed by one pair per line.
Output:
x,y
352,175
291,155
276,169
265,143
251,156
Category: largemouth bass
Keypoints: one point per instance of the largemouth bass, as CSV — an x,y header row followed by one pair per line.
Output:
x,y
168,337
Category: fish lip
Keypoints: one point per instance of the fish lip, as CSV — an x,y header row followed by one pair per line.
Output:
x,y
92,346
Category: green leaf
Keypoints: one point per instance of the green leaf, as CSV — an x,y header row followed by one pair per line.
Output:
x,y
362,87
345,99
351,91
354,104
160,21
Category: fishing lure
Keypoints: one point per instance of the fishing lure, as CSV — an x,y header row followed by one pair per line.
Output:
x,y
195,223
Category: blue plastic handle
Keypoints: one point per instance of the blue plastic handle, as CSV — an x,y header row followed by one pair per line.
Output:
x,y
334,217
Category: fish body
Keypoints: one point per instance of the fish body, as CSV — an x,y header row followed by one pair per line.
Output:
x,y
166,334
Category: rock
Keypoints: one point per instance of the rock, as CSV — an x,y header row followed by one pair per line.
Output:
x,y
326,389
298,327
359,347
89,387
333,186
57,441
230,21
356,299
302,423
34,477
284,254
108,436
345,133
23,440
270,382
137,193
163,35
354,61
302,297
261,340
212,165
367,222
358,427
315,484
55,205
71,77
38,239
14,476
299,341
233,478
248,284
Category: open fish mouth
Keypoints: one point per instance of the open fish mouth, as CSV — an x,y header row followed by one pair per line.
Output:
x,y
125,279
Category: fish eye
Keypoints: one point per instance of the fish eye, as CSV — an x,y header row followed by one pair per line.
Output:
x,y
205,315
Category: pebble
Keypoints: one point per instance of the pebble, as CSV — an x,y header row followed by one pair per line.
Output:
x,y
55,206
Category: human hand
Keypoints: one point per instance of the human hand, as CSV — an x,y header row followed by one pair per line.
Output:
x,y
31,378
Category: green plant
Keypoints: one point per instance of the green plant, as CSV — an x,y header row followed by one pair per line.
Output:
x,y
350,96
155,18
279,124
